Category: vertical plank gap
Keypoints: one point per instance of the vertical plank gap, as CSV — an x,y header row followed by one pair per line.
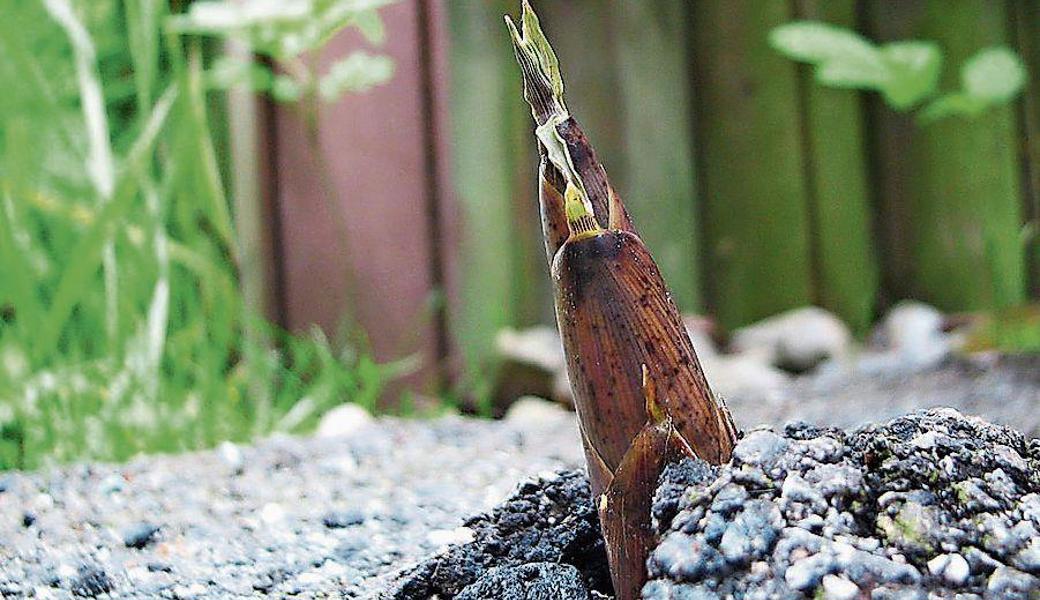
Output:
x,y
267,125
433,197
808,153
1027,110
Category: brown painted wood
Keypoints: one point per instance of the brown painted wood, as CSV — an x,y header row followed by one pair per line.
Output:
x,y
357,233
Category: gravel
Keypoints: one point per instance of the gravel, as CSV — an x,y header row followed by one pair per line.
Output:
x,y
933,504
931,501
291,517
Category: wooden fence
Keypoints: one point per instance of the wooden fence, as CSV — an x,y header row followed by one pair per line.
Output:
x,y
756,189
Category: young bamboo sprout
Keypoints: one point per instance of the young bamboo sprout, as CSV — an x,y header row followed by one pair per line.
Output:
x,y
639,391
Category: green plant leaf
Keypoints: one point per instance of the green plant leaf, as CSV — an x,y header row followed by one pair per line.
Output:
x,y
356,72
948,105
371,26
913,72
842,57
816,42
993,75
849,75
229,71
286,89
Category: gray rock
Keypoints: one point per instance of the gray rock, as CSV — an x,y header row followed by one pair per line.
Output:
x,y
751,534
338,519
913,331
683,557
797,340
91,581
839,588
1011,584
140,535
533,581
952,568
760,448
807,573
1028,558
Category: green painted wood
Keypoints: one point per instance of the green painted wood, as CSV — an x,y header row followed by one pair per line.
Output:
x,y
1026,21
581,32
501,267
754,190
652,41
633,100
951,196
845,271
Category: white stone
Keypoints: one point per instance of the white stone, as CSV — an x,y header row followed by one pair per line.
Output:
x,y
539,346
799,575
839,588
231,454
957,570
925,441
953,568
182,592
798,339
914,331
446,537
272,513
344,420
532,411
42,502
740,374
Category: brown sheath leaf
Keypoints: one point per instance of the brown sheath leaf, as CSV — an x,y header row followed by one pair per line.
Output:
x,y
550,201
615,315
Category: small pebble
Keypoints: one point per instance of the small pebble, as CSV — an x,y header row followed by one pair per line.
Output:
x,y
338,519
91,581
839,588
140,535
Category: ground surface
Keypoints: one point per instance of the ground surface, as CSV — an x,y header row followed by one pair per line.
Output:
x,y
933,504
1005,390
340,517
303,518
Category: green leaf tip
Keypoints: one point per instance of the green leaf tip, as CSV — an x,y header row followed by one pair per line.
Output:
x,y
543,85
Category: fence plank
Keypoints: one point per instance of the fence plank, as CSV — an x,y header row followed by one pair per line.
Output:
x,y
950,189
581,32
652,40
353,207
632,97
844,267
751,167
501,262
1026,19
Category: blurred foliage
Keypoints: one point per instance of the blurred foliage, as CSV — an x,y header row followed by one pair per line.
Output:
x,y
1015,330
905,73
121,315
284,31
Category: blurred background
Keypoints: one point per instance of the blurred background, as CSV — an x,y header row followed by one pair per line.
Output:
x,y
221,219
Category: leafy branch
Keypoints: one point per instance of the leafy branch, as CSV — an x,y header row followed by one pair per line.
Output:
x,y
905,73
285,31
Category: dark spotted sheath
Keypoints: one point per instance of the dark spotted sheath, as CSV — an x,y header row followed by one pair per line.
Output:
x,y
639,391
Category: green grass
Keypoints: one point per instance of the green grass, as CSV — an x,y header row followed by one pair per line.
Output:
x,y
122,322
